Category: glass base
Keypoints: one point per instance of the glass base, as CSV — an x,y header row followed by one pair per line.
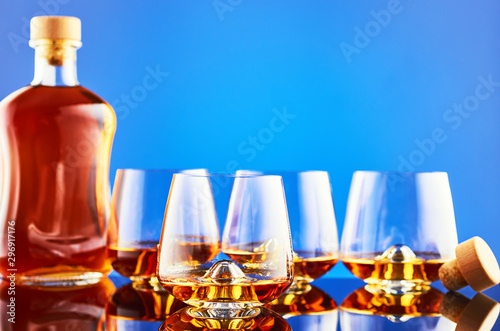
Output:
x,y
223,311
58,280
398,287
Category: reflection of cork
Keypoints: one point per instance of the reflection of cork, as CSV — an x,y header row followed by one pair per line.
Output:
x,y
478,314
475,265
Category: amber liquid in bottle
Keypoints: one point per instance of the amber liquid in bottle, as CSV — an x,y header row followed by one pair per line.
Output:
x,y
55,141
59,143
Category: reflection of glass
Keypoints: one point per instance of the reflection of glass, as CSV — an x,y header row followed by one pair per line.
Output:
x,y
129,308
138,206
266,320
398,307
67,308
310,310
399,229
369,309
256,239
312,224
358,322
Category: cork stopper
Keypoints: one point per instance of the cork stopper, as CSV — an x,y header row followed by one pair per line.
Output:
x,y
475,266
478,314
56,28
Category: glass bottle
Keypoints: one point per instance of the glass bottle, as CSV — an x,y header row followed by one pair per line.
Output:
x,y
55,146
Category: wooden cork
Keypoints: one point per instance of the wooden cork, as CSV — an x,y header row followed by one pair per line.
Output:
x,y
479,314
475,266
56,27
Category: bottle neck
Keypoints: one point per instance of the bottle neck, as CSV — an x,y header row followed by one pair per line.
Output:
x,y
55,62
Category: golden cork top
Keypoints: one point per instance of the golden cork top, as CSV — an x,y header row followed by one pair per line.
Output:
x,y
56,28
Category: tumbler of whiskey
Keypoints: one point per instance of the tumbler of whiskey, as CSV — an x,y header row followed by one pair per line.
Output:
x,y
252,264
137,209
399,229
312,224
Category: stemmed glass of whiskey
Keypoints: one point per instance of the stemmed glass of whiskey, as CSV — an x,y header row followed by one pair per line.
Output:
x,y
226,277
312,224
399,229
137,209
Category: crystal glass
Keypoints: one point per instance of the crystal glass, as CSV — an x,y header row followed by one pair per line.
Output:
x,y
399,229
250,266
137,209
312,224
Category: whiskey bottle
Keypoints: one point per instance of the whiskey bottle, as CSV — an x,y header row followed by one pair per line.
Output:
x,y
55,146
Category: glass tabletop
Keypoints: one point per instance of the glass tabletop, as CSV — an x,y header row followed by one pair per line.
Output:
x,y
330,304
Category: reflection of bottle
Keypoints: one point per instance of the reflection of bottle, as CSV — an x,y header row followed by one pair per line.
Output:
x,y
56,141
64,309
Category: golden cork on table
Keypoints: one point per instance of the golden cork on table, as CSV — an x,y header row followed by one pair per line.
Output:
x,y
475,266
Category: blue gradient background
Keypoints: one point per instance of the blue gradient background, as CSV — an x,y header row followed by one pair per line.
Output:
x,y
228,70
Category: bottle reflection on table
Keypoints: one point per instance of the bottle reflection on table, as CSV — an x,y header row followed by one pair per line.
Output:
x,y
266,320
57,309
133,309
369,309
313,309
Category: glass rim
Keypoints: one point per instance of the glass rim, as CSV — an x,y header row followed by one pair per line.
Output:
x,y
157,169
404,173
274,172
227,175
